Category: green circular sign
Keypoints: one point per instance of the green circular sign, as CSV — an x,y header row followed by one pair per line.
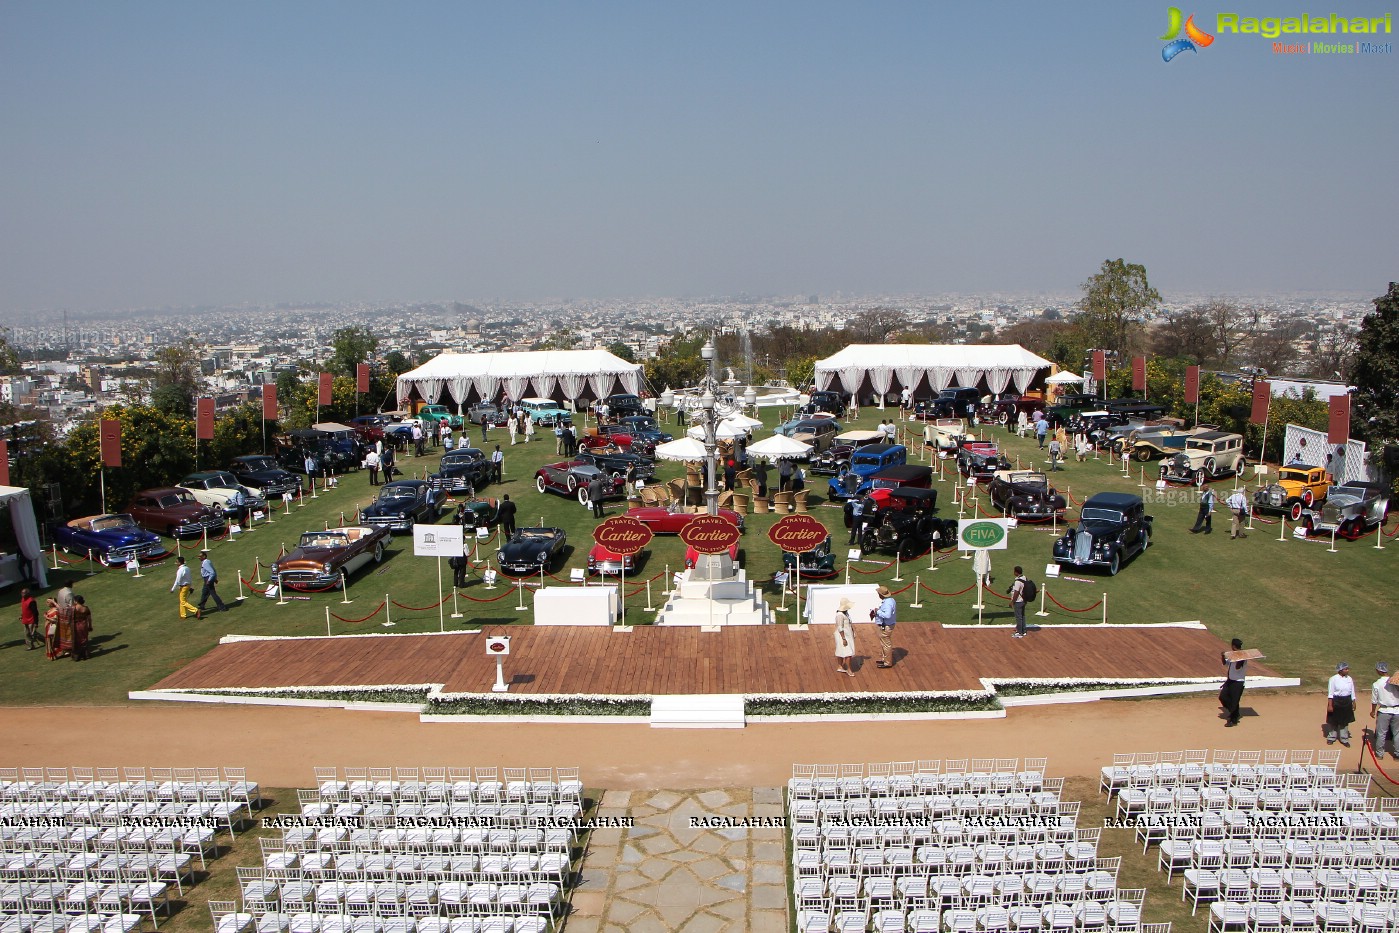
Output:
x,y
983,534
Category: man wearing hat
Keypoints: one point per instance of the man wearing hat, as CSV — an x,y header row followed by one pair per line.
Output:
x,y
210,576
1340,706
1384,706
1232,693
884,617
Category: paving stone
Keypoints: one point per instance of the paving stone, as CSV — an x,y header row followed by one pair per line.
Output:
x,y
664,800
707,869
767,809
736,909
766,896
641,832
704,923
607,836
732,833
767,873
713,799
767,921
625,911
658,845
769,851
647,924
577,924
632,855
765,795
734,882
627,882
616,798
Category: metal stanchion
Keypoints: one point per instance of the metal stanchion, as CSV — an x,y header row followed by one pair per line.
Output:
x,y
1044,590
344,591
327,621
917,582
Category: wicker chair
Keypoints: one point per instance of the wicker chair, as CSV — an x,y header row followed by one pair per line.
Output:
x,y
799,501
760,505
726,499
740,503
676,488
782,502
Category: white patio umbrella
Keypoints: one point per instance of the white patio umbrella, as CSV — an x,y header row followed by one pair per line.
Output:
x,y
1063,378
746,422
779,447
686,448
724,431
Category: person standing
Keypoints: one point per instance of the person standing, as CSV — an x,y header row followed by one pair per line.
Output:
x,y
1017,602
558,438
784,475
485,422
1056,451
210,576
857,519
416,434
498,464
82,628
845,639
511,427
760,471
1384,707
529,430
597,491
1340,706
29,618
570,442
1237,505
371,463
798,478
885,618
458,564
184,585
446,431
1232,693
1203,517
505,514
1041,431
448,442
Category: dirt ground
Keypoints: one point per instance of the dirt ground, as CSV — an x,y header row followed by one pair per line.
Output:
x,y
279,746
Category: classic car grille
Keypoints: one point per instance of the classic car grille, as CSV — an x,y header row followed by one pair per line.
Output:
x,y
305,577
1083,548
124,554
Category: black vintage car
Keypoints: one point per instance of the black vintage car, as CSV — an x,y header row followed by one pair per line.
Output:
x,y
824,400
980,461
903,520
531,549
818,563
402,504
260,473
617,464
463,468
623,404
951,402
334,453
1025,495
1112,528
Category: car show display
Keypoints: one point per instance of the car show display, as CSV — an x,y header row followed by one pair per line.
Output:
x,y
530,550
463,468
321,558
261,474
980,460
402,504
573,477
112,539
223,491
900,519
175,512
1112,528
1207,456
1349,511
1025,495
1298,487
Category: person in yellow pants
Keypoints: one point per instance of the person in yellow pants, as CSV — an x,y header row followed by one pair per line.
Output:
x,y
184,584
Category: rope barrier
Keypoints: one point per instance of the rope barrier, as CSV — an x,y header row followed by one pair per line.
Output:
x,y
252,586
1265,521
418,608
876,570
1391,534
303,588
904,589
988,589
939,593
1369,747
1067,609
509,591
378,609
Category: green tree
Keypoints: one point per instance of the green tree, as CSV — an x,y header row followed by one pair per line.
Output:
x,y
1375,373
350,346
157,448
396,363
1113,303
9,359
177,379
619,349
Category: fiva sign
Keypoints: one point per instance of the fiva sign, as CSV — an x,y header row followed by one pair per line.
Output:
x,y
981,534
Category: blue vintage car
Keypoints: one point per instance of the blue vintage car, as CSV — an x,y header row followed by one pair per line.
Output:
x,y
112,539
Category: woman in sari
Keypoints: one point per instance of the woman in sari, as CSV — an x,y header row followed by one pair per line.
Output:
x,y
82,628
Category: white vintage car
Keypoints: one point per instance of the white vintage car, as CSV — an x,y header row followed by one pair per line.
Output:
x,y
945,434
1350,510
1207,456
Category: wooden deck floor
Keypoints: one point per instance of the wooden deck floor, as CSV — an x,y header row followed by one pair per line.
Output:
x,y
739,659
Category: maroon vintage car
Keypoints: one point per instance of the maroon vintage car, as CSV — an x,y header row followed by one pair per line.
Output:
x,y
663,520
322,557
692,556
175,512
571,478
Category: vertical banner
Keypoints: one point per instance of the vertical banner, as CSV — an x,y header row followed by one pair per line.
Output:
x,y
4,463
1192,385
362,377
269,402
323,393
204,420
1139,374
1338,424
1262,395
1100,366
110,436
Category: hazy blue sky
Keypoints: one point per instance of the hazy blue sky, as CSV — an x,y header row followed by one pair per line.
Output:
x,y
195,152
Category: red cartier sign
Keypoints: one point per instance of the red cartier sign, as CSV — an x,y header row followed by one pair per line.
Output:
x,y
710,534
797,534
622,535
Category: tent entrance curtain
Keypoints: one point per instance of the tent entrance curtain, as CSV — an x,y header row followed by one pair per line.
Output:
x,y
937,365
30,559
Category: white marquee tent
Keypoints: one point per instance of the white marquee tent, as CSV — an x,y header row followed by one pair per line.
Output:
x,y
31,552
568,375
884,368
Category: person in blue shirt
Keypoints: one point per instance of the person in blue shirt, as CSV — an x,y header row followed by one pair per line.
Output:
x,y
884,617
210,576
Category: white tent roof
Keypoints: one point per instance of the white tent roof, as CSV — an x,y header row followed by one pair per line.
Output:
x,y
894,366
573,373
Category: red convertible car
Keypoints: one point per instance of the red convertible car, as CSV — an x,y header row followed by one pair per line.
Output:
x,y
692,556
602,560
663,521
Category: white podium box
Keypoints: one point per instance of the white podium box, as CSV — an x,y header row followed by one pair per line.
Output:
x,y
708,711
576,605
823,598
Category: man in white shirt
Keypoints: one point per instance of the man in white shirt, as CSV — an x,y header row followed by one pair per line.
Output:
x,y
1237,504
1384,706
184,583
1340,706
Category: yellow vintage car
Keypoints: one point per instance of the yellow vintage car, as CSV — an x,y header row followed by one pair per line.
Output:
x,y
1297,487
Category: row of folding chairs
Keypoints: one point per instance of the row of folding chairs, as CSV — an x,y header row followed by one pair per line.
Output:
x,y
57,833
953,860
501,840
1299,854
91,922
117,891
1213,883
830,782
923,766
227,918
943,833
970,891
858,916
58,846
529,866
83,783
166,864
458,811
1133,801
478,783
1303,917
421,895
1354,831
1197,766
919,807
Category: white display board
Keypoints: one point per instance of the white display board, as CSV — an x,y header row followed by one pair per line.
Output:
x,y
437,541
576,605
823,598
982,534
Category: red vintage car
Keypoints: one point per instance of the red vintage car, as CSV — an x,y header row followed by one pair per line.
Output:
x,y
671,521
175,512
602,560
692,556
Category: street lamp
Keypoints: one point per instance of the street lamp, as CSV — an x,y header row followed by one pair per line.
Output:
x,y
712,407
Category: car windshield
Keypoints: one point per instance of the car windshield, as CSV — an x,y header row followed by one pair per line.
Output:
x,y
113,523
222,481
396,493
1295,476
172,500
465,455
260,463
1353,492
323,539
1101,515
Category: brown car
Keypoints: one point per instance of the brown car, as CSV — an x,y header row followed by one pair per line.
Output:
x,y
323,557
174,512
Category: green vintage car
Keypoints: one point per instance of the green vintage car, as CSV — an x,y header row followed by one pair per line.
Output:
x,y
433,415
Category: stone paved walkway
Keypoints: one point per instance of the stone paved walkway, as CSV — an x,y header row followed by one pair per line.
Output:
x,y
664,875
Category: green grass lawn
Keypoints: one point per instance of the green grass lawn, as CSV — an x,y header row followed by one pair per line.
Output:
x,y
1304,607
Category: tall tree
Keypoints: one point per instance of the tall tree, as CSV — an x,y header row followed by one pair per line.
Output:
x,y
350,346
1113,303
1375,417
178,378
1273,343
1187,334
621,350
875,325
1229,324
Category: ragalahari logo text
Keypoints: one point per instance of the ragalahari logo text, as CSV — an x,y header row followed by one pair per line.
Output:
x,y
1194,37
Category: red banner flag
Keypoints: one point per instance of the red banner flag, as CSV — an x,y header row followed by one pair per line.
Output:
x,y
269,402
1192,385
1139,373
1100,366
362,377
4,463
204,420
1262,395
1338,425
323,396
110,436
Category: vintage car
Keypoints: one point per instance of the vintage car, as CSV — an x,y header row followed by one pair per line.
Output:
x,y
477,511
1008,408
321,558
1150,441
1298,487
837,456
818,563
492,412
903,520
818,431
261,474
617,462
1069,407
624,404
175,512
571,478
692,556
1098,425
463,468
1207,456
951,402
980,460
222,490
530,550
615,435
401,504
1350,510
432,417
604,561
1025,495
1135,408
112,539
545,411
825,400
672,519
644,426
370,428
1112,527
865,463
334,452
945,434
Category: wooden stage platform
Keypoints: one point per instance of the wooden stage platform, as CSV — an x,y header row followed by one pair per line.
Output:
x,y
737,659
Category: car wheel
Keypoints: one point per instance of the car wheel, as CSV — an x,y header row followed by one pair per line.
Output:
x,y
1306,498
539,483
1115,565
583,497
1142,454
1210,466
572,483
379,553
1353,530
1146,539
1201,478
1295,513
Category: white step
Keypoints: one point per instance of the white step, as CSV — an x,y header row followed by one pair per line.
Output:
x,y
704,711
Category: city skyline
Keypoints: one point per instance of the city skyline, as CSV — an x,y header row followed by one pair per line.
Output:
x,y
162,155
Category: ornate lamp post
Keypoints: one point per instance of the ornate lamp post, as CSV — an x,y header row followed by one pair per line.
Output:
x,y
712,408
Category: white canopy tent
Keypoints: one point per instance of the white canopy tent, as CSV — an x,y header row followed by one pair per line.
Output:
x,y
31,551
565,375
1064,378
883,368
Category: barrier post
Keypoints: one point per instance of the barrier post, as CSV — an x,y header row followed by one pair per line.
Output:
x,y
441,600
1142,483
1282,531
979,605
917,582
344,593
896,578
388,619
55,556
520,588
281,592
933,558
1250,518
257,571
1043,591
1105,608
649,607
241,597
847,571
138,573
342,519
206,539
1379,537
1332,548
90,571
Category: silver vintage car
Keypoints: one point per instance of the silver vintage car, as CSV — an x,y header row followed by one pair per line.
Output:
x,y
1350,510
